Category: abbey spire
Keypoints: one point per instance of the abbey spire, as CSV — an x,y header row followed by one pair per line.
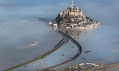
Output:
x,y
73,17
72,3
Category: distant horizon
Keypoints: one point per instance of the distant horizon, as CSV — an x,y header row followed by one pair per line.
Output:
x,y
25,9
25,33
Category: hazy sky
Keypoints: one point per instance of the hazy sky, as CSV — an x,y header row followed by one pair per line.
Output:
x,y
105,11
46,8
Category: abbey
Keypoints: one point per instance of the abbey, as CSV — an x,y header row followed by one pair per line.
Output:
x,y
73,17
73,11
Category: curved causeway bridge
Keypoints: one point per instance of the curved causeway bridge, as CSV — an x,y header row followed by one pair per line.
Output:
x,y
57,46
69,60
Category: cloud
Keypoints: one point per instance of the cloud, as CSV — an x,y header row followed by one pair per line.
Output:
x,y
115,50
21,8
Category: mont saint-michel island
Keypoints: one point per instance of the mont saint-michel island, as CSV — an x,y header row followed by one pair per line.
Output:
x,y
73,17
74,41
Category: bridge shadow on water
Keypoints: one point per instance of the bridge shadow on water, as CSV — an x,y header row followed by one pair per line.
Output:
x,y
72,34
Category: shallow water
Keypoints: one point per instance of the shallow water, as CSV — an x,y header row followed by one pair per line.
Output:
x,y
103,41
17,36
22,40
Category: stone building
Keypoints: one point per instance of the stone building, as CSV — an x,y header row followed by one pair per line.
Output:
x,y
72,11
73,17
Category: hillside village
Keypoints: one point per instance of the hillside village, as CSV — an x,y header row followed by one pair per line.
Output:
x,y
73,17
